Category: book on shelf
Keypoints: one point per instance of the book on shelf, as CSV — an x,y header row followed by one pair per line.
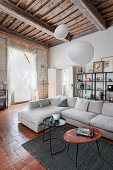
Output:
x,y
85,132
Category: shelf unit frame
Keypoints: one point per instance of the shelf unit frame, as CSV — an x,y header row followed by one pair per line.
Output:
x,y
104,76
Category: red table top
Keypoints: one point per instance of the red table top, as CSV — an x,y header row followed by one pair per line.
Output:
x,y
72,137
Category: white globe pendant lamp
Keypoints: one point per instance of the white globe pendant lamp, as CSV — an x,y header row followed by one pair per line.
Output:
x,y
61,31
80,52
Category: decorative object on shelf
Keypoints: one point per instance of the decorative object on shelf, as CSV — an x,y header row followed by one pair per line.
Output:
x,y
110,88
98,66
99,89
79,80
3,97
110,80
80,52
1,86
87,79
61,31
99,79
89,87
110,99
100,96
82,86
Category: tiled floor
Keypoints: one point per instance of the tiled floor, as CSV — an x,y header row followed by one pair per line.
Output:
x,y
12,136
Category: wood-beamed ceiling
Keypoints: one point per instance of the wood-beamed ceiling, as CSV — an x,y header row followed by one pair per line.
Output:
x,y
36,20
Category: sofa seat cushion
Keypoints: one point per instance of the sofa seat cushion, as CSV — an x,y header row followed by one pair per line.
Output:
x,y
103,122
81,116
37,115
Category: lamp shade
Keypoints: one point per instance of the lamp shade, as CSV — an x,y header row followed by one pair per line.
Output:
x,y
80,52
61,31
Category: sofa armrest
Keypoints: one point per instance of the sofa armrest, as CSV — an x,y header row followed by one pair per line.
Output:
x,y
33,104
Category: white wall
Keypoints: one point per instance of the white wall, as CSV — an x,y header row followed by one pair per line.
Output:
x,y
102,42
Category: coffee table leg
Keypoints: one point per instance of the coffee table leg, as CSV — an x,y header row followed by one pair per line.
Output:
x,y
68,147
44,134
76,154
50,141
98,148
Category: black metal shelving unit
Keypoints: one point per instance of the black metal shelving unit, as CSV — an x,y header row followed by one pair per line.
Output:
x,y
3,98
96,86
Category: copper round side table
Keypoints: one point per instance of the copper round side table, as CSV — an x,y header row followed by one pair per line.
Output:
x,y
72,137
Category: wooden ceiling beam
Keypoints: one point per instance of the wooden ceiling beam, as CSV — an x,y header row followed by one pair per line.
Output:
x,y
90,25
80,26
55,6
21,36
84,30
35,34
66,9
88,9
27,18
41,6
77,24
18,2
30,5
67,16
4,19
87,31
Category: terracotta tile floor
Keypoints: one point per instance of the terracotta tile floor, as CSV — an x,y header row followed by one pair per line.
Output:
x,y
12,135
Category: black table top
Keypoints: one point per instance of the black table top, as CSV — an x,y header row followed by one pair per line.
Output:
x,y
49,121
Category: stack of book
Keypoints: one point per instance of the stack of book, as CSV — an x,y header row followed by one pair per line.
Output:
x,y
85,132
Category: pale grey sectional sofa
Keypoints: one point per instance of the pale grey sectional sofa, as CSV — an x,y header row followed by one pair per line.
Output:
x,y
88,113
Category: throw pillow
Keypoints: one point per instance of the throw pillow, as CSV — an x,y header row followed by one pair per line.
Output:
x,y
71,101
33,104
95,107
62,97
82,104
43,103
55,101
62,103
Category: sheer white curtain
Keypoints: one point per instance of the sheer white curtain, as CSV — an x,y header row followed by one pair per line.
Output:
x,y
22,74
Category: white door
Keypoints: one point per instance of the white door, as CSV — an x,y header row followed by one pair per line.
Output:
x,y
51,82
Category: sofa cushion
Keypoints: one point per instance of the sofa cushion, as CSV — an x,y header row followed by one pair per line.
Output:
x,y
33,104
81,104
107,109
62,103
81,116
36,116
43,103
71,101
103,122
55,101
95,106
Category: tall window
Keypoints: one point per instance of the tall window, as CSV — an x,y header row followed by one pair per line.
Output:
x,y
22,74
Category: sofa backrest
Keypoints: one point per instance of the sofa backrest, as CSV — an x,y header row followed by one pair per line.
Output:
x,y
95,106
107,109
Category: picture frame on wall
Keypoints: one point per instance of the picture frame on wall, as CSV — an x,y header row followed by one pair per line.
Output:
x,y
98,66
108,63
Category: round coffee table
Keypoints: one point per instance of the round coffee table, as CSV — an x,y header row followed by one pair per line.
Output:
x,y
72,137
51,123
